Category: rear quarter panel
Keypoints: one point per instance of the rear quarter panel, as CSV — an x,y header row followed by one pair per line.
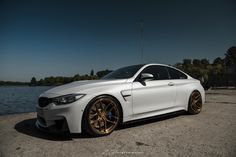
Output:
x,y
184,88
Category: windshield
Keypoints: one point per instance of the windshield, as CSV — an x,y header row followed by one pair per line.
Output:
x,y
123,73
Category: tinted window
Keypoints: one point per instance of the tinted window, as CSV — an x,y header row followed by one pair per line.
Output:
x,y
159,72
175,74
123,73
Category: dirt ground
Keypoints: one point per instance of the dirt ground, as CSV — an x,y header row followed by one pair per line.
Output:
x,y
210,133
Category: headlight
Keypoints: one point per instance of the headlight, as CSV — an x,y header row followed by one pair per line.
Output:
x,y
67,99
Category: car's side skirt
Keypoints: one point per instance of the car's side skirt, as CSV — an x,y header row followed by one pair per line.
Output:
x,y
157,113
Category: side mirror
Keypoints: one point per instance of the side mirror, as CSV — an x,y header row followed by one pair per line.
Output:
x,y
146,76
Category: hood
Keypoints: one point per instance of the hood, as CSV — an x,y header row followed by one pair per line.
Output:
x,y
81,86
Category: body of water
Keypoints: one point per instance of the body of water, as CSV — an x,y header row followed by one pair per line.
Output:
x,y
19,99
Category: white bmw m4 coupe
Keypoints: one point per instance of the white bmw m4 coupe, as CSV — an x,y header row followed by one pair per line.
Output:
x,y
135,92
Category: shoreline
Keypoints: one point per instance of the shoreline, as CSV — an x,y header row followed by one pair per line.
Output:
x,y
18,113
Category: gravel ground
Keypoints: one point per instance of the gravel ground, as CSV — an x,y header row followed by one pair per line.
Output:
x,y
210,133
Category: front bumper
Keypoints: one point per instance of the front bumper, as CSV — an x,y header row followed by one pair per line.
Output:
x,y
61,118
59,125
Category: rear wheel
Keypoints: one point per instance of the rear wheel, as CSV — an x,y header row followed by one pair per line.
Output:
x,y
101,116
195,103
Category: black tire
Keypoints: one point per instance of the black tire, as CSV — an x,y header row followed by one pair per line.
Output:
x,y
101,116
195,103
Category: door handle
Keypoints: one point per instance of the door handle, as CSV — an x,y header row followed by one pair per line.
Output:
x,y
171,84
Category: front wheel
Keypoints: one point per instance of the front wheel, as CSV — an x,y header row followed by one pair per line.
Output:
x,y
101,116
195,103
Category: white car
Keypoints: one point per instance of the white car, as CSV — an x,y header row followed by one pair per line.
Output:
x,y
97,107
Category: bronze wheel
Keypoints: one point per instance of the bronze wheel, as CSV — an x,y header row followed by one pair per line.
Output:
x,y
195,103
102,116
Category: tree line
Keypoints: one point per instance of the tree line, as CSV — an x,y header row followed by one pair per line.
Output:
x,y
59,80
200,69
13,83
203,70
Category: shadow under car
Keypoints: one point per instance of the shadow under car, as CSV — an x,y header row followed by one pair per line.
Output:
x,y
28,127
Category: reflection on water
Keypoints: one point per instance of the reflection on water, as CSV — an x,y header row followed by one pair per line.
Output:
x,y
18,99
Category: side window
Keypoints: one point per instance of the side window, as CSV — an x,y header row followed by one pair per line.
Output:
x,y
175,74
159,72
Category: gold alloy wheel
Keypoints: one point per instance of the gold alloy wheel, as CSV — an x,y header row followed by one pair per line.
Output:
x,y
103,116
196,102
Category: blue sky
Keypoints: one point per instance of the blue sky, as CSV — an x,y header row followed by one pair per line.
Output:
x,y
63,38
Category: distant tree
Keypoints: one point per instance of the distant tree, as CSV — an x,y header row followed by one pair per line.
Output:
x,y
205,62
196,62
218,60
67,80
217,69
95,77
102,73
179,66
86,77
230,56
187,62
92,73
49,81
77,77
58,80
40,82
33,81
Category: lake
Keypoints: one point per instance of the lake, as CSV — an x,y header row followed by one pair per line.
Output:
x,y
19,99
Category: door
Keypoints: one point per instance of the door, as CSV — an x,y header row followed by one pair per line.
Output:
x,y
153,95
181,82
